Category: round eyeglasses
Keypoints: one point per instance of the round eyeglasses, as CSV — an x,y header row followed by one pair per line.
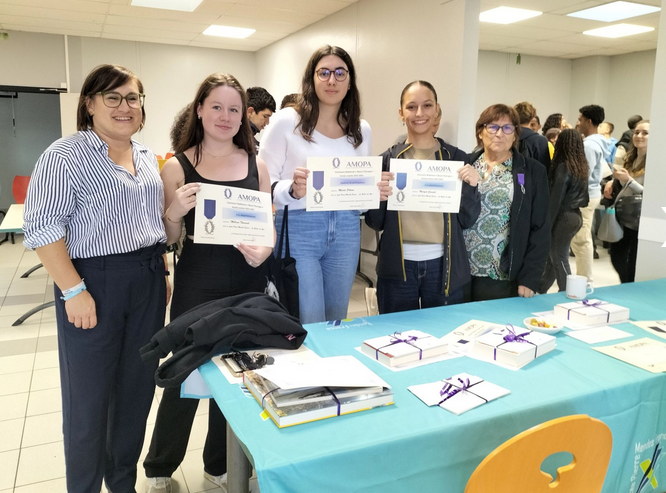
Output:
x,y
339,73
115,99
493,128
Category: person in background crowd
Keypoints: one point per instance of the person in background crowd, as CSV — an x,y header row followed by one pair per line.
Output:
x,y
606,129
508,245
289,101
626,139
554,121
535,124
178,125
629,180
531,144
326,122
422,261
552,134
94,215
596,152
260,108
215,147
568,194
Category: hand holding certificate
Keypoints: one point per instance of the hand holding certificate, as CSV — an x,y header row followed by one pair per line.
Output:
x,y
229,215
343,183
425,186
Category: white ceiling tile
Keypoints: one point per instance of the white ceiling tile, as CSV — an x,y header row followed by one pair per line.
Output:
x,y
173,15
70,5
250,41
516,31
147,39
259,24
51,14
495,41
48,30
222,46
558,47
218,7
116,20
323,7
278,15
150,33
50,23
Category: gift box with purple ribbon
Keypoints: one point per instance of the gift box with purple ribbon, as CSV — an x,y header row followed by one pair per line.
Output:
x,y
404,347
512,345
591,313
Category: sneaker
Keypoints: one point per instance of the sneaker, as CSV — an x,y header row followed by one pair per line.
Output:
x,y
595,255
159,485
220,481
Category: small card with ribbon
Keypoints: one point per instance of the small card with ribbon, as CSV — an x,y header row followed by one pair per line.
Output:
x,y
591,313
513,346
403,347
458,394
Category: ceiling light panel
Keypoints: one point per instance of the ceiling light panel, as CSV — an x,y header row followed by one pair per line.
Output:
x,y
507,15
618,31
183,5
228,31
615,11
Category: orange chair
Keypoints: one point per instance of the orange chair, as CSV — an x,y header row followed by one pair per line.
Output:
x,y
515,466
20,188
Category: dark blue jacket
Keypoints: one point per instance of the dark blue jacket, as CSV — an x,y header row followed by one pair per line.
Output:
x,y
391,263
524,258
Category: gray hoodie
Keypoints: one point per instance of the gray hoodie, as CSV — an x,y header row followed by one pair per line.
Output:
x,y
596,152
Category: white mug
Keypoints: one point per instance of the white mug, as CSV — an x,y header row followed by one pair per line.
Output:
x,y
578,288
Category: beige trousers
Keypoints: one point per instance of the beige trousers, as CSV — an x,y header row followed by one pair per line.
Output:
x,y
581,244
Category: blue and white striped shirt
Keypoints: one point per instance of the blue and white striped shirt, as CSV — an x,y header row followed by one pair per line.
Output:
x,y
79,193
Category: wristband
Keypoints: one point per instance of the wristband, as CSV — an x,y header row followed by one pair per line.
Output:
x,y
167,273
291,192
69,296
76,287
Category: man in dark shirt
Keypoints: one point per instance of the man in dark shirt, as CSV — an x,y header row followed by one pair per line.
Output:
x,y
260,108
531,144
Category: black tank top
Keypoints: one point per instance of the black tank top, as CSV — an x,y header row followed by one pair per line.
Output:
x,y
251,182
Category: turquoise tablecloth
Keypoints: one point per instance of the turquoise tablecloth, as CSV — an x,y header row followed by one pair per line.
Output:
x,y
410,447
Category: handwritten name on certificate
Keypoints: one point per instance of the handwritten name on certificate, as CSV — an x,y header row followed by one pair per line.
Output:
x,y
343,183
425,186
230,215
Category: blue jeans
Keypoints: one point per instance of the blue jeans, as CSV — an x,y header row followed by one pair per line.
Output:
x,y
422,289
326,247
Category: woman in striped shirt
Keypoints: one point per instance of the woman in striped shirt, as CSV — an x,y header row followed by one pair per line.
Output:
x,y
94,212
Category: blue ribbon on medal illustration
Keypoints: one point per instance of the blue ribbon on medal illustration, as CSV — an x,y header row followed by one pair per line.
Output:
x,y
401,183
318,183
209,213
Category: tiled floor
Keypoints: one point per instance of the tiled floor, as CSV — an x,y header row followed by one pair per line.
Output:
x,y
31,450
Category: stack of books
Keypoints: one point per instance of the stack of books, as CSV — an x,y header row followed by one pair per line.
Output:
x,y
330,387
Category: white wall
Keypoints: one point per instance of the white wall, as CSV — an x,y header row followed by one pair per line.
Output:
x,y
382,46
170,74
544,82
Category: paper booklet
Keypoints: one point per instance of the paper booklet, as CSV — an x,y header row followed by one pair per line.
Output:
x,y
459,393
645,353
654,327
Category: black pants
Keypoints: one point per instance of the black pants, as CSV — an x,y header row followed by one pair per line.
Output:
x,y
565,228
106,389
623,255
203,273
485,288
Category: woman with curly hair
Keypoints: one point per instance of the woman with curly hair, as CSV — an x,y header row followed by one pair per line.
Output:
x,y
568,193
556,120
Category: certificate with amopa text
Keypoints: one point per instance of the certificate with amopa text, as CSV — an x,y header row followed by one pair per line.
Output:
x,y
343,183
425,186
230,215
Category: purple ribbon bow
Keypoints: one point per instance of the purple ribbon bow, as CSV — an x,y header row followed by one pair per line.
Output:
x,y
513,337
396,339
589,303
449,390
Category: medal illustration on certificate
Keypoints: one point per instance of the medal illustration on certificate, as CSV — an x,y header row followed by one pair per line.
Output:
x,y
401,183
209,214
318,184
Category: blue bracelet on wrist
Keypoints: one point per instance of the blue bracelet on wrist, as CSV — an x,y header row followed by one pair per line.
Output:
x,y
71,295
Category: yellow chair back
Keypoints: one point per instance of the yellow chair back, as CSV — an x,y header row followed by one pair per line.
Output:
x,y
515,466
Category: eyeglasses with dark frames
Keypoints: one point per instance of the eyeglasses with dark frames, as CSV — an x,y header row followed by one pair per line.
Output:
x,y
339,73
113,99
493,128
